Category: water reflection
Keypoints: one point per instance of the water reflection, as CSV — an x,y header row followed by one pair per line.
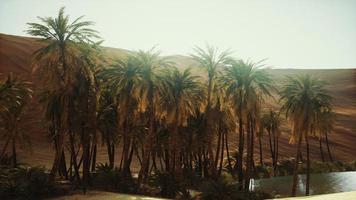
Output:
x,y
319,183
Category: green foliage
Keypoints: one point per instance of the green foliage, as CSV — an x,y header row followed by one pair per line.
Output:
x,y
6,160
170,186
112,179
24,183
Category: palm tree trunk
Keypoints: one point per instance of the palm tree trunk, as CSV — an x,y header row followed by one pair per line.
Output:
x,y
205,164
109,151
3,151
308,168
126,155
327,145
228,153
321,150
222,154
295,172
240,153
86,159
276,157
149,140
14,155
74,156
261,156
63,166
93,164
218,146
58,155
249,154
271,149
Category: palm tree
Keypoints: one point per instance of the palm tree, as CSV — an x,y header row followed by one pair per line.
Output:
x,y
107,119
325,124
125,79
56,63
211,61
151,65
14,94
246,85
271,123
303,97
182,96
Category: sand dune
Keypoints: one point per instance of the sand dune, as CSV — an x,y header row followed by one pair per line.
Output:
x,y
15,56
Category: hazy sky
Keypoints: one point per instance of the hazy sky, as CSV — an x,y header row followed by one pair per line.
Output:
x,y
290,33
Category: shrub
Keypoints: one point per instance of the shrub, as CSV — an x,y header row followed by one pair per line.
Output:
x,y
24,182
170,186
6,160
112,179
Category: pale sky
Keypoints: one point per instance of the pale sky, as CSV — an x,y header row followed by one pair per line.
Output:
x,y
289,33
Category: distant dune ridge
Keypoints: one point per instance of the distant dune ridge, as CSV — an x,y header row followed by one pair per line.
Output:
x,y
15,57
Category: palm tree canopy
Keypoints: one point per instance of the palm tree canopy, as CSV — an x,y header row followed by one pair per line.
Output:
x,y
303,97
151,68
210,59
271,122
14,95
181,95
64,41
246,85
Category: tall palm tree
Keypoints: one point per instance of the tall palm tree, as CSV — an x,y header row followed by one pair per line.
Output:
x,y
271,123
125,79
324,126
211,61
182,96
246,85
107,118
54,62
14,94
302,99
151,65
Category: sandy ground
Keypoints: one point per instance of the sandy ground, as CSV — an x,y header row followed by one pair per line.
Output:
x,y
98,195
335,196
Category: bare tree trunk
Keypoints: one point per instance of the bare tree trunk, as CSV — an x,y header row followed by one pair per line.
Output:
x,y
295,172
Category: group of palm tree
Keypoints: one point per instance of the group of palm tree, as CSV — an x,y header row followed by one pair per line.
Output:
x,y
168,119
